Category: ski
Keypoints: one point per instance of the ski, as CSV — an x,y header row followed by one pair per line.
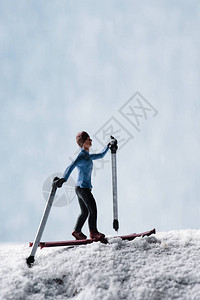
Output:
x,y
129,237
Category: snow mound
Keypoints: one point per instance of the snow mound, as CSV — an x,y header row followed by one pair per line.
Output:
x,y
163,266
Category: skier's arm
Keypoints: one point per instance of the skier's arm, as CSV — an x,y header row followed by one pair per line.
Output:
x,y
59,182
101,154
71,167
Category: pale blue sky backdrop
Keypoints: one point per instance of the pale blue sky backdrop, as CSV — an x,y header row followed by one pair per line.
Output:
x,y
67,66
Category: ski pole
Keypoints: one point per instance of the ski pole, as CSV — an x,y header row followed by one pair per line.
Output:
x,y
30,260
113,149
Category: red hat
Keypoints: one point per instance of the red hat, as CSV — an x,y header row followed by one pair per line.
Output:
x,y
81,137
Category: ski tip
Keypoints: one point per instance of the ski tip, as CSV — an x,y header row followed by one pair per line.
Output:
x,y
148,233
29,261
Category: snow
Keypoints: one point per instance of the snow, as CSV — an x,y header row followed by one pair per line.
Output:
x,y
162,266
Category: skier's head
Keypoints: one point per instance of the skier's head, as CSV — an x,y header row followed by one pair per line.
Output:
x,y
81,138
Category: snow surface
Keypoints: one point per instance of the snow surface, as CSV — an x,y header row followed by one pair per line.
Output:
x,y
163,266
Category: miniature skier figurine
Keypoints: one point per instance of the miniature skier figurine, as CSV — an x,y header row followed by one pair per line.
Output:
x,y
83,188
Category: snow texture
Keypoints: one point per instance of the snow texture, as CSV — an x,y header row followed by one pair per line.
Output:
x,y
162,266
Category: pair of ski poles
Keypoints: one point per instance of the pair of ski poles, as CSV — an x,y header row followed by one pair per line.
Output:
x,y
113,147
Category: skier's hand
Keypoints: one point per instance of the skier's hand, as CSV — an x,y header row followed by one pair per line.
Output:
x,y
109,145
112,142
59,182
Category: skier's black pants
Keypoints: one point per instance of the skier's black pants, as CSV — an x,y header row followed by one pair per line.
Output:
x,y
88,207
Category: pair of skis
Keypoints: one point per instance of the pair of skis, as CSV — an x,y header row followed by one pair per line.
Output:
x,y
105,240
113,147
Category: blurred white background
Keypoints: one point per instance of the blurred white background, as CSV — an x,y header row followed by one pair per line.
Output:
x,y
68,66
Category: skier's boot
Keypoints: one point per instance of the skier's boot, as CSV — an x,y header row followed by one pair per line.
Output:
x,y
95,235
79,235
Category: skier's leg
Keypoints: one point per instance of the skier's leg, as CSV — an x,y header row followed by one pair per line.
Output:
x,y
92,220
90,203
87,201
84,212
92,208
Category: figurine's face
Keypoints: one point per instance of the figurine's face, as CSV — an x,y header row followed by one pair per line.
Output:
x,y
87,144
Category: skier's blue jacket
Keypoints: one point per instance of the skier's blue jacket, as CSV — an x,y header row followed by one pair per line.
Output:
x,y
84,163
